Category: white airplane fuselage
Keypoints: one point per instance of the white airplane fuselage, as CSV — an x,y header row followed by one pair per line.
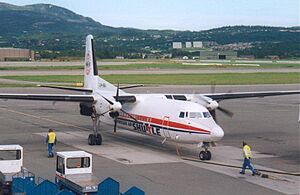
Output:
x,y
180,121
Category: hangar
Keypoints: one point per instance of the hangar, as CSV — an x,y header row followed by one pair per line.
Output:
x,y
16,54
217,55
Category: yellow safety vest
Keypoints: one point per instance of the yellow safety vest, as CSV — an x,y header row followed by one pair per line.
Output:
x,y
247,152
51,137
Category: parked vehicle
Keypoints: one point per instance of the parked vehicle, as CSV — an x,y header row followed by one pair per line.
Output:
x,y
74,172
11,162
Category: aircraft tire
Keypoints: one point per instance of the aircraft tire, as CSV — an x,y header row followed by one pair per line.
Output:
x,y
98,139
208,155
205,155
202,155
92,139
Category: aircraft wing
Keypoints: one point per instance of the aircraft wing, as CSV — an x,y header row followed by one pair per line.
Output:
x,y
227,96
48,97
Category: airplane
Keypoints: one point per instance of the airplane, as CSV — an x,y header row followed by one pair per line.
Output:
x,y
183,118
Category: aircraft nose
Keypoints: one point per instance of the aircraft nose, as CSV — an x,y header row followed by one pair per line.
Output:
x,y
217,133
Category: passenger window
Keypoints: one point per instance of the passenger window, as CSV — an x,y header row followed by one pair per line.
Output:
x,y
181,115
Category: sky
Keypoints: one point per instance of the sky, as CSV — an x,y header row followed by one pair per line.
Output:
x,y
191,15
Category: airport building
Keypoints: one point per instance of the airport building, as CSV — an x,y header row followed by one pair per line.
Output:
x,y
217,55
177,45
188,44
16,54
197,44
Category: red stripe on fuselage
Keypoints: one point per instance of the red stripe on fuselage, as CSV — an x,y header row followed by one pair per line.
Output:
x,y
166,123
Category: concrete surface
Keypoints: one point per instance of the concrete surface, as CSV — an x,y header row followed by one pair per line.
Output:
x,y
269,125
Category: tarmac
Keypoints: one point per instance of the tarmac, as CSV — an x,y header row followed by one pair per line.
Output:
x,y
270,125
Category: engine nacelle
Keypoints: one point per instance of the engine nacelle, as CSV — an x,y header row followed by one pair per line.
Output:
x,y
211,105
114,114
86,109
207,102
117,106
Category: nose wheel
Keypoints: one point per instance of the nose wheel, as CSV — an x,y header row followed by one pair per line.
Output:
x,y
95,138
205,154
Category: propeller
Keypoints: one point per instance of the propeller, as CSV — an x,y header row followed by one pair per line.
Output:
x,y
212,105
223,110
116,106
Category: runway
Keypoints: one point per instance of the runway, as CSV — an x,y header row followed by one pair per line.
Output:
x,y
269,125
149,71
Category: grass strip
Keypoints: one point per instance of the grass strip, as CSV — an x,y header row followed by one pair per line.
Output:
x,y
176,79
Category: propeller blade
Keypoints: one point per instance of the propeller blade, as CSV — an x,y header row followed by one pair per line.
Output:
x,y
117,95
110,102
115,125
129,115
105,112
225,111
213,114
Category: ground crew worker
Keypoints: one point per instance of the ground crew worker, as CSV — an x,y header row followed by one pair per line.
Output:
x,y
247,156
50,141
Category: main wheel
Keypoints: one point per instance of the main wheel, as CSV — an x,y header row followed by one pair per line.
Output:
x,y
98,139
208,155
202,155
92,139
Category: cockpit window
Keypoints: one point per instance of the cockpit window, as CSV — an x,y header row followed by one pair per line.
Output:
x,y
179,97
181,115
168,96
195,115
206,115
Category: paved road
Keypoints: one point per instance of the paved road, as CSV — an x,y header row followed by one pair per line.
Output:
x,y
270,125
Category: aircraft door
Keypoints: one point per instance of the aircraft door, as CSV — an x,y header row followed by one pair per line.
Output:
x,y
165,128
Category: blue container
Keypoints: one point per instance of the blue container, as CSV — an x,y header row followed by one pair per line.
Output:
x,y
109,187
134,191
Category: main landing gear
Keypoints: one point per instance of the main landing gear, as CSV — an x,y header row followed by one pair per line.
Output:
x,y
205,154
95,138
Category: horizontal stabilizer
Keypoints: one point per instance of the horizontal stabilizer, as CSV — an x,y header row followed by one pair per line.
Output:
x,y
67,88
131,86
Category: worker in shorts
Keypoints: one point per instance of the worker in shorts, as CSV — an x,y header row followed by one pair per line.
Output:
x,y
50,141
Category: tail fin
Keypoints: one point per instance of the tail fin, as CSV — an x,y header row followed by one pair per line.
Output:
x,y
91,78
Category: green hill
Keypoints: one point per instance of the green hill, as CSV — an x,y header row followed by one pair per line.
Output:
x,y
56,32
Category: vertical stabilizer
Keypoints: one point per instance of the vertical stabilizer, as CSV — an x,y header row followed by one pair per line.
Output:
x,y
91,78
90,68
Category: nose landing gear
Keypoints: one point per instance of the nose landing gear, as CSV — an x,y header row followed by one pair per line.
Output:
x,y
205,154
